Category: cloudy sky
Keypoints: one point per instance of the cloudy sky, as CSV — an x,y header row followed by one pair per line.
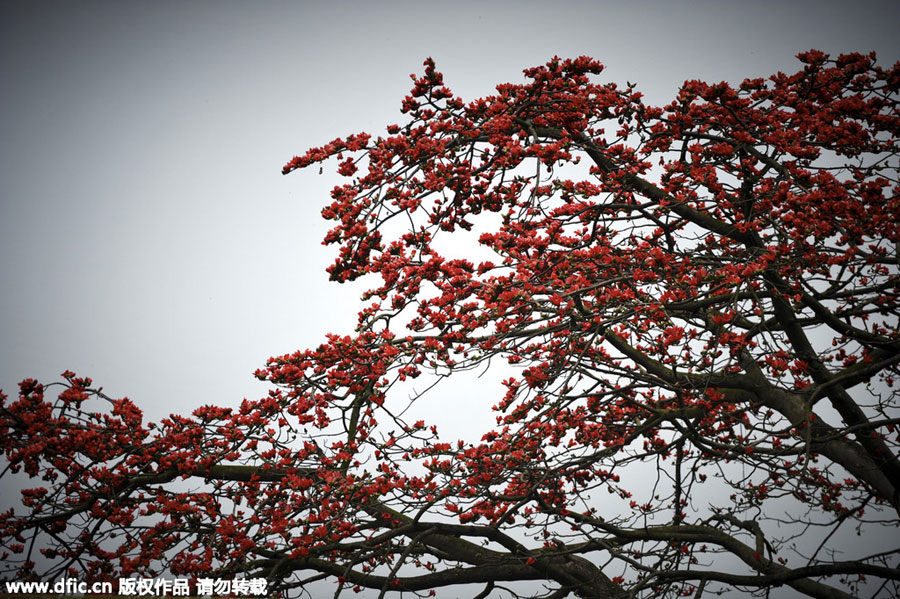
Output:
x,y
147,237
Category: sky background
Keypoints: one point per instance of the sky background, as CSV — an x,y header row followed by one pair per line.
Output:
x,y
148,238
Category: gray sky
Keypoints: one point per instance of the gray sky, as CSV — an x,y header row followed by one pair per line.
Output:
x,y
148,239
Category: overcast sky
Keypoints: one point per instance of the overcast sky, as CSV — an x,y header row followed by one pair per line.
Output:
x,y
147,236
148,239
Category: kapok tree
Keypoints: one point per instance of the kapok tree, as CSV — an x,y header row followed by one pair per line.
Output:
x,y
692,312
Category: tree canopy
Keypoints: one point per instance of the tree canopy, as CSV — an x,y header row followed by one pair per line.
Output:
x,y
690,313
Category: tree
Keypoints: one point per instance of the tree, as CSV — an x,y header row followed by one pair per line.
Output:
x,y
694,313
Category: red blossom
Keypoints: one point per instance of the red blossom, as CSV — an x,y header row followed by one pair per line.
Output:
x,y
702,295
